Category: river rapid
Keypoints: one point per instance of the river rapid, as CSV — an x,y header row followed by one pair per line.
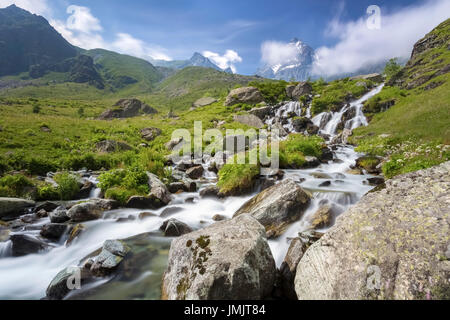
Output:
x,y
28,277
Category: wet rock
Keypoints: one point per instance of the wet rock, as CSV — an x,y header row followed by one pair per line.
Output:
x,y
59,288
311,162
91,210
109,146
210,191
11,208
356,172
266,183
158,190
23,245
75,233
59,215
289,266
229,260
376,181
323,218
112,254
195,172
397,233
28,218
47,206
53,231
320,175
85,190
219,217
177,187
277,207
342,138
175,228
170,211
126,219
145,215
327,155
185,165
249,120
325,184
150,134
248,95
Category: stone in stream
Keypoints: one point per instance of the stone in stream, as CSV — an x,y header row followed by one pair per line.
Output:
x,y
91,210
167,212
210,192
59,215
85,190
325,184
47,206
219,217
277,207
23,245
229,260
177,187
399,234
158,197
323,217
58,288
376,181
75,233
112,254
195,172
145,215
311,162
174,228
53,231
11,208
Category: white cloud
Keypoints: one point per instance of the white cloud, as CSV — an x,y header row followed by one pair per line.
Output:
x,y
83,29
228,60
359,46
275,52
34,6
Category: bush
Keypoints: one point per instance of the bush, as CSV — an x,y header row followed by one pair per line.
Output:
x,y
47,192
36,109
296,147
120,194
133,178
68,185
15,186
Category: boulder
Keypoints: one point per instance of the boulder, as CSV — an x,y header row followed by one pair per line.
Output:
x,y
322,218
47,206
311,162
11,208
203,102
91,210
150,134
58,215
59,288
261,112
229,260
299,90
249,120
248,95
85,190
167,212
302,124
53,231
23,245
112,254
158,190
277,207
176,187
175,228
289,266
391,245
109,146
210,191
127,108
74,233
175,144
369,163
195,172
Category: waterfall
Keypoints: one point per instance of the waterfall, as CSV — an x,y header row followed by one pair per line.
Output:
x,y
5,249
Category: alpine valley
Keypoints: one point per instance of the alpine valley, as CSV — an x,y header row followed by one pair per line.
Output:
x,y
90,191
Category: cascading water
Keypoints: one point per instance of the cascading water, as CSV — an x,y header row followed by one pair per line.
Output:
x,y
28,277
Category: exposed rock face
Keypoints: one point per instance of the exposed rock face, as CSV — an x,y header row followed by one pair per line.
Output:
x,y
248,95
127,108
91,210
12,207
391,245
249,120
203,102
150,134
295,92
277,207
228,260
109,146
262,112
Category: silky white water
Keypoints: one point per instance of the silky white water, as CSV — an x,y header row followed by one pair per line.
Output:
x,y
28,277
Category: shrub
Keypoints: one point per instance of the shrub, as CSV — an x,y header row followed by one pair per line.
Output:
x,y
68,185
47,192
120,194
15,186
133,178
296,147
36,109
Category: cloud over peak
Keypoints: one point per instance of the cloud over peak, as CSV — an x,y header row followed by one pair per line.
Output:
x,y
228,60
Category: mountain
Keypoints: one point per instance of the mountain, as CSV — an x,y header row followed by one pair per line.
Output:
x,y
197,60
297,68
27,39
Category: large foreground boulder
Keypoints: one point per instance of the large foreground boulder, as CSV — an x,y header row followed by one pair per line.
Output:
x,y
248,95
226,261
277,207
394,244
12,207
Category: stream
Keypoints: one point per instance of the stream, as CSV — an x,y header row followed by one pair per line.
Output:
x,y
28,277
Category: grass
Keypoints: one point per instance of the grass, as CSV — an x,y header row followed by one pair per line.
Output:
x,y
237,179
296,147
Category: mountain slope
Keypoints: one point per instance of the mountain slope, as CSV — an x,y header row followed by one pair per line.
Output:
x,y
27,40
414,133
183,88
197,60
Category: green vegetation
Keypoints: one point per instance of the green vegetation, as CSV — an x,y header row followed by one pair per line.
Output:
x,y
15,186
392,68
236,179
383,101
296,147
272,91
332,96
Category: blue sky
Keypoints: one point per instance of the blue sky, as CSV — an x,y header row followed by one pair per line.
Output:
x,y
175,28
